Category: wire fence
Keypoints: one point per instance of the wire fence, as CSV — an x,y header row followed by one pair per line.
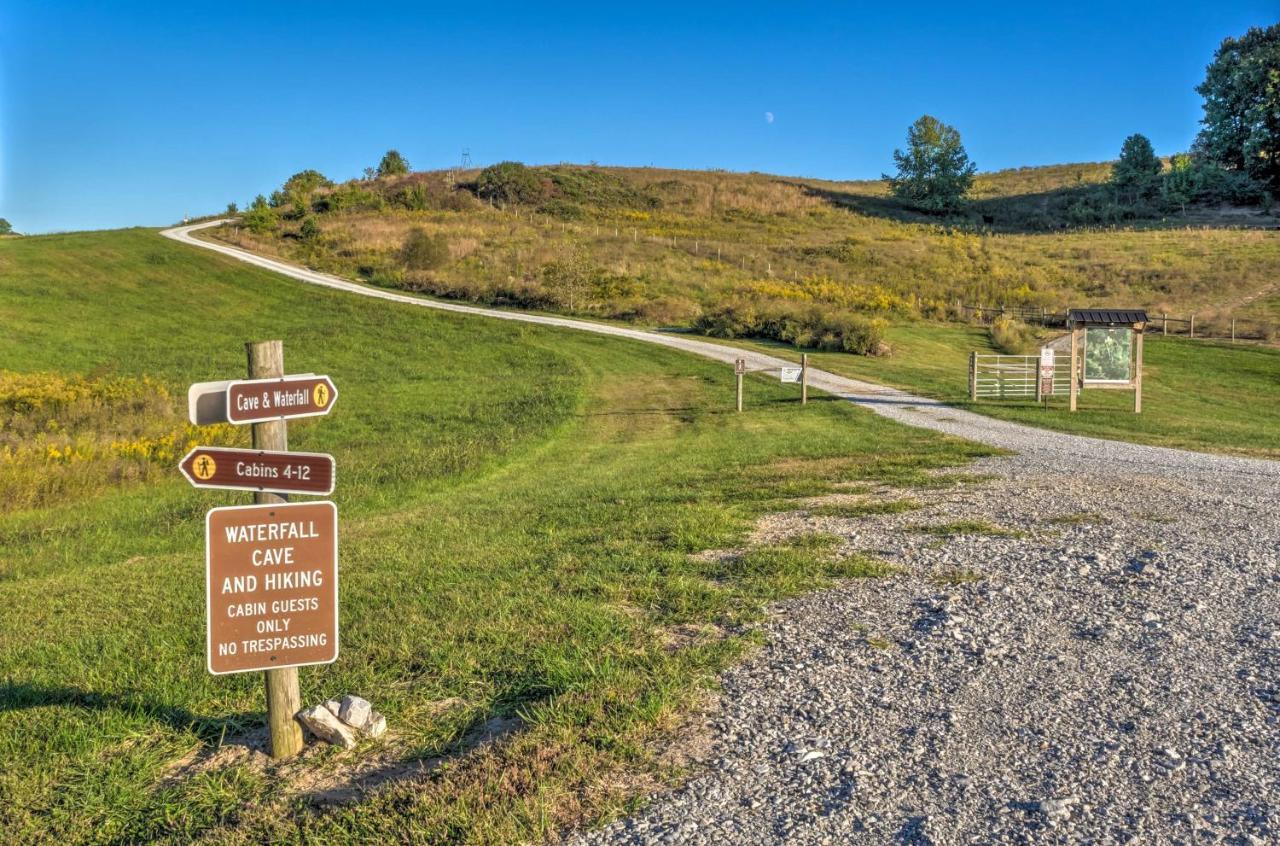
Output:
x,y
1215,327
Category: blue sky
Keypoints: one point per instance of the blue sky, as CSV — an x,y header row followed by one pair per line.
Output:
x,y
118,114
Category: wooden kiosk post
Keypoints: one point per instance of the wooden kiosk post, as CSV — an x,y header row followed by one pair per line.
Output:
x,y
266,361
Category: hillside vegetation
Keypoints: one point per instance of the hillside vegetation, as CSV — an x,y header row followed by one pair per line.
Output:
x,y
800,260
520,510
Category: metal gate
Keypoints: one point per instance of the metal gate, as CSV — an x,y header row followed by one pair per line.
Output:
x,y
996,376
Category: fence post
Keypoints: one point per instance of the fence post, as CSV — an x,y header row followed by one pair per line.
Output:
x,y
1233,330
266,361
804,378
1165,329
973,376
1193,326
739,368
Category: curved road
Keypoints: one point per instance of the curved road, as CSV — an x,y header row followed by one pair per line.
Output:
x,y
1074,451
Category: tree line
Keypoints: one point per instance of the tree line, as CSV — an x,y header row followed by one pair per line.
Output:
x,y
1235,157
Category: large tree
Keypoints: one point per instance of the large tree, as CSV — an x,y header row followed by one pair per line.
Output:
x,y
392,164
5,227
1241,91
1136,176
935,172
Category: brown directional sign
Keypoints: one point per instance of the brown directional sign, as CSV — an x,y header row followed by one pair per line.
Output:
x,y
259,470
271,577
255,400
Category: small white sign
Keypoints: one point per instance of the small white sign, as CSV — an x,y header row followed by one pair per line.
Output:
x,y
789,374
1046,357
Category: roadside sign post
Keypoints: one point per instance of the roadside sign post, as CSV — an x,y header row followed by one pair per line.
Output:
x,y
266,361
739,368
804,378
1044,385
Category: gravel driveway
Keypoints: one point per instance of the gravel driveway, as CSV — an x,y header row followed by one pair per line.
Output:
x,y
1108,674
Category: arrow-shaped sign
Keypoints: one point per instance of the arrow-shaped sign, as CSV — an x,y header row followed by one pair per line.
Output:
x,y
256,400
259,470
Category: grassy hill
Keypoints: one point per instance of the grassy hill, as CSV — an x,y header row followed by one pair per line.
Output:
x,y
519,508
665,247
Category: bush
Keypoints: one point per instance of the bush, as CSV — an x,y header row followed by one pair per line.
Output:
x,y
310,229
510,182
808,326
1012,336
422,251
349,197
261,218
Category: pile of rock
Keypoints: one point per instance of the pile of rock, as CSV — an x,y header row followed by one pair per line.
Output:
x,y
342,721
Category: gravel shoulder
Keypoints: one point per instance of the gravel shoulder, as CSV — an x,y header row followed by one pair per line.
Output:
x,y
1107,674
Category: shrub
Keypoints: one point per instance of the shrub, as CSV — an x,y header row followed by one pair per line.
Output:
x,y
1012,336
510,182
261,218
310,229
232,210
803,326
349,197
422,251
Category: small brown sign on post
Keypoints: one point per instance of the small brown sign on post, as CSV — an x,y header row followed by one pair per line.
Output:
x,y
255,400
259,470
271,586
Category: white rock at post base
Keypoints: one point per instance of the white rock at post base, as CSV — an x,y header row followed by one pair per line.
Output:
x,y
334,706
321,722
356,712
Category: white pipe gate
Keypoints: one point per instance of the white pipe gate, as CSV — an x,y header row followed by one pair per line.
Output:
x,y
998,376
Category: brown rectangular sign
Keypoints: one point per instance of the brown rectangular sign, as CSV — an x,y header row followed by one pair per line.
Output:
x,y
271,586
259,470
255,400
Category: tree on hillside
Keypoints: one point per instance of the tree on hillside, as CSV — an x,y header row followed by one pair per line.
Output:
x,y
305,182
1241,91
392,164
6,228
1136,176
935,171
510,182
261,218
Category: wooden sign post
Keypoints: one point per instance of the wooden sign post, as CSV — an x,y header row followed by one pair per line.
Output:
x,y
740,368
266,361
804,378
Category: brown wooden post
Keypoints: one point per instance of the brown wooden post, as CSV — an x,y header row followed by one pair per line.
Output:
x,y
739,391
804,378
1137,375
1233,330
1193,326
1075,354
973,376
266,361
1165,328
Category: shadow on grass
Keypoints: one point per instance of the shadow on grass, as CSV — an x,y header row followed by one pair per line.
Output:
x,y
20,696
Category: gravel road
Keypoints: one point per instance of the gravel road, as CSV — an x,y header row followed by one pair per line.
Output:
x,y
1107,675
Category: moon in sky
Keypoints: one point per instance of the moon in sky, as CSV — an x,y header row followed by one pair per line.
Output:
x,y
768,117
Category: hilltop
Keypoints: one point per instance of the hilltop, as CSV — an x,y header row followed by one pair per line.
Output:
x,y
753,254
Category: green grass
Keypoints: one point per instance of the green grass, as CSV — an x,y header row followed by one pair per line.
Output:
x,y
1201,395
519,508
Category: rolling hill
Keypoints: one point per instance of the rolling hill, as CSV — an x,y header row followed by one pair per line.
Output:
x,y
664,247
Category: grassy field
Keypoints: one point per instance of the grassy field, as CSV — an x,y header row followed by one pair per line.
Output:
x,y
659,247
519,508
1207,396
